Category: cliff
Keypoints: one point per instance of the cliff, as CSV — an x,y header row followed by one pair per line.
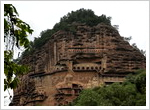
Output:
x,y
72,61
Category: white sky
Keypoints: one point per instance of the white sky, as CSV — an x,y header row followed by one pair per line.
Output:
x,y
131,16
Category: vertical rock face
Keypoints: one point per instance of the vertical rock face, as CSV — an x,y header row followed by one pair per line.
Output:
x,y
70,62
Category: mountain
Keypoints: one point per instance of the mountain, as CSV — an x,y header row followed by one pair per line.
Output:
x,y
72,60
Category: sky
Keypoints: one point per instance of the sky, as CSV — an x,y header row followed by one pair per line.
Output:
x,y
131,16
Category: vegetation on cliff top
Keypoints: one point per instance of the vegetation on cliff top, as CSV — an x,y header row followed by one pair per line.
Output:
x,y
85,16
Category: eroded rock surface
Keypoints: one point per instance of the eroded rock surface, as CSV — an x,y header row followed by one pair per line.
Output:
x,y
70,62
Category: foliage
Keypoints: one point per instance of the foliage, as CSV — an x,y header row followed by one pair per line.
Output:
x,y
81,16
12,69
139,80
85,16
116,27
15,30
134,45
91,100
127,38
15,35
38,42
141,51
132,92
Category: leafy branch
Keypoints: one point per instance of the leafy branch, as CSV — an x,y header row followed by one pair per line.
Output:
x,y
16,32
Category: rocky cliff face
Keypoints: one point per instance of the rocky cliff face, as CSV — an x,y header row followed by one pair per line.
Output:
x,y
70,62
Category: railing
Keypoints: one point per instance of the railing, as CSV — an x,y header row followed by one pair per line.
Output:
x,y
86,68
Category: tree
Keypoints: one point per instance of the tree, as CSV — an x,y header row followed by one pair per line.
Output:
x,y
132,92
87,97
15,36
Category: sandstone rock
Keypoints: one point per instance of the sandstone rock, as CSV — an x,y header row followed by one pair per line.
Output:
x,y
69,62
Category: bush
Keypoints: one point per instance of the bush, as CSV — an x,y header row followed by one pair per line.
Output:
x,y
129,93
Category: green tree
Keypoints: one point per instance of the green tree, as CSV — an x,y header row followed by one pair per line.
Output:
x,y
87,97
132,92
15,36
